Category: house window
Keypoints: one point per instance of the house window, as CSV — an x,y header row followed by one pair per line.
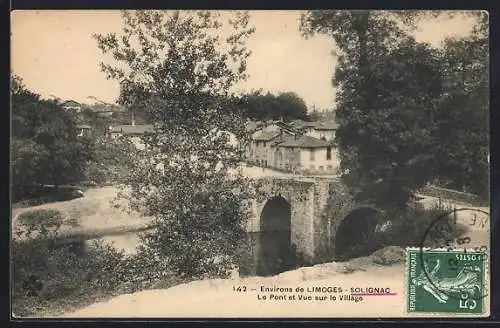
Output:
x,y
264,144
311,157
321,168
330,167
328,153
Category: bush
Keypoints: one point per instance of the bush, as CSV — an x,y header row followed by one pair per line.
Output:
x,y
67,280
418,225
389,255
43,222
113,160
49,275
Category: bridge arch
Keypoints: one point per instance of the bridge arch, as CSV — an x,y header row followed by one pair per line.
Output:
x,y
276,214
275,236
356,234
321,219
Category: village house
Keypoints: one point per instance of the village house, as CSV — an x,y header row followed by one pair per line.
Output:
x,y
259,150
107,110
323,130
84,130
279,145
72,105
320,130
303,126
134,132
306,154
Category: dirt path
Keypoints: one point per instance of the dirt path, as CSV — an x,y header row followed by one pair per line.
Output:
x,y
216,298
93,211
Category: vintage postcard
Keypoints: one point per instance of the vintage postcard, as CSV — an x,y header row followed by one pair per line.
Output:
x,y
250,164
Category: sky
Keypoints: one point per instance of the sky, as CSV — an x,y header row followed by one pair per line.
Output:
x,y
55,55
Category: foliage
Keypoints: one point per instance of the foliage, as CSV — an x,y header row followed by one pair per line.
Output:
x,y
286,106
46,222
45,147
462,118
98,123
114,158
48,275
394,106
67,281
325,116
178,68
410,228
386,85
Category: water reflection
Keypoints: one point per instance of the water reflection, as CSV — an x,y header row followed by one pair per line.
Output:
x,y
268,253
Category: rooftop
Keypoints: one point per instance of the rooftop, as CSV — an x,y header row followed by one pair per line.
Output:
x,y
304,142
304,124
251,126
284,125
70,103
132,129
266,136
326,126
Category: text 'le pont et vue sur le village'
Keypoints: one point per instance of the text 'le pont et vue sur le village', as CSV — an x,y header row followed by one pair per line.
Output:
x,y
314,293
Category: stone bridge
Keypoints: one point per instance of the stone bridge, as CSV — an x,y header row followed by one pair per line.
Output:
x,y
316,217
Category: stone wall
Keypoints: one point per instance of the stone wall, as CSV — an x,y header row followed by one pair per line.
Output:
x,y
454,195
317,208
300,196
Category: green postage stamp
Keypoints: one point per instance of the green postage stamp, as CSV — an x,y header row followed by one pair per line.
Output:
x,y
446,281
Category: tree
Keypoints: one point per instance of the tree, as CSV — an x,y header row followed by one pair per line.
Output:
x,y
462,153
388,150
45,146
286,106
391,115
387,85
178,68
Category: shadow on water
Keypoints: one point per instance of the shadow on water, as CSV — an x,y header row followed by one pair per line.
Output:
x,y
358,234
270,250
268,253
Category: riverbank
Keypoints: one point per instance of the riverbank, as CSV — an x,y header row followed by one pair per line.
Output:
x,y
84,298
244,297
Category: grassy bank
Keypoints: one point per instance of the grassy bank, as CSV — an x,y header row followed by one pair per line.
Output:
x,y
50,277
50,280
